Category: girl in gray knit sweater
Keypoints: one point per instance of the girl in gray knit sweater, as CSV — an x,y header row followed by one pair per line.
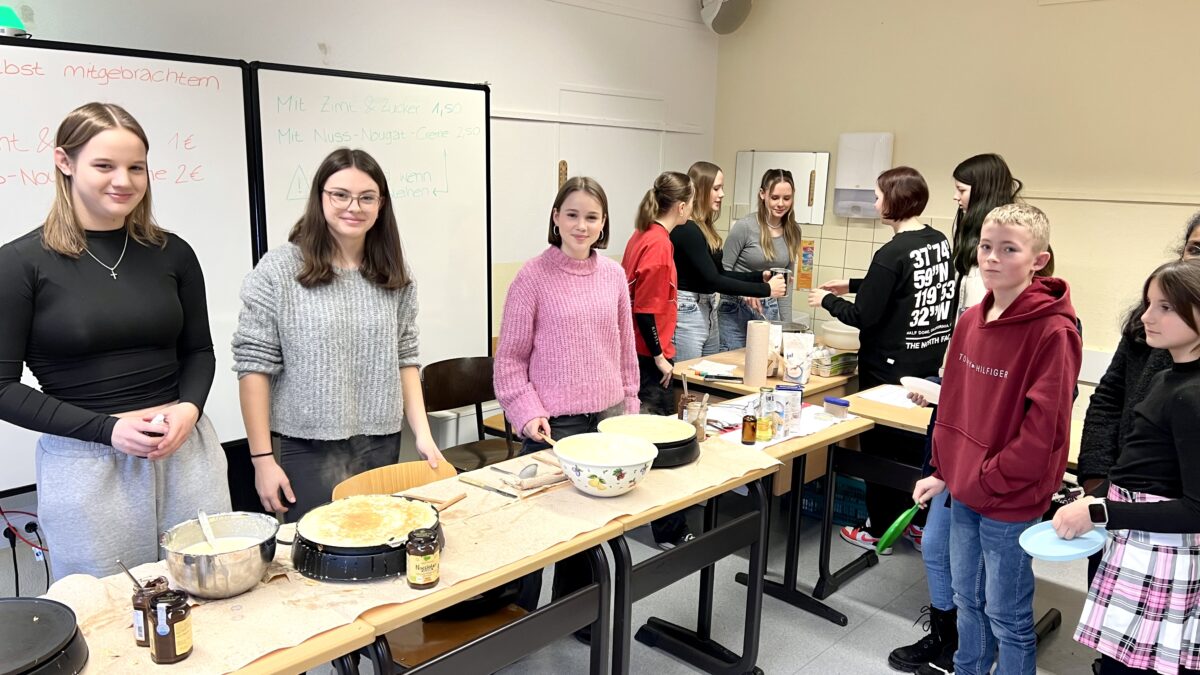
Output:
x,y
326,345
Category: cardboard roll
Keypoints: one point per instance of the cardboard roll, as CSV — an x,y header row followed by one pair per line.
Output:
x,y
675,439
38,637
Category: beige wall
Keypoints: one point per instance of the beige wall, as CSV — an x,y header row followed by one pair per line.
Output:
x,y
1093,104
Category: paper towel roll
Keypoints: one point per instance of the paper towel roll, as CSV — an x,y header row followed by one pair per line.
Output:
x,y
758,346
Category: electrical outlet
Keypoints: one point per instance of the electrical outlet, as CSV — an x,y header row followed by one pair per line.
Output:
x,y
38,555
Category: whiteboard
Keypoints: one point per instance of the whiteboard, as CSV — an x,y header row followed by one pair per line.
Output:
x,y
194,113
431,138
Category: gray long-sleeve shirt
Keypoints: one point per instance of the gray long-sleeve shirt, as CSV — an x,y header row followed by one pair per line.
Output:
x,y
744,253
333,352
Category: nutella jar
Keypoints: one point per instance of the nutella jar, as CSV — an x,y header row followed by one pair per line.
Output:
x,y
170,627
141,609
424,559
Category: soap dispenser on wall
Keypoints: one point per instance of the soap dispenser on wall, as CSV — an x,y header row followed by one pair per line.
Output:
x,y
861,157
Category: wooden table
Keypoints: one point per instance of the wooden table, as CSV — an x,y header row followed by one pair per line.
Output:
x,y
916,420
825,386
797,451
332,645
714,542
815,392
586,606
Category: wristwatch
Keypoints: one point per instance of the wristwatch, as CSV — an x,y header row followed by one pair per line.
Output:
x,y
1098,512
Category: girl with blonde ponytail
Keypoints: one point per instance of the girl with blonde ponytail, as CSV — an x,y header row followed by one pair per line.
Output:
x,y
649,264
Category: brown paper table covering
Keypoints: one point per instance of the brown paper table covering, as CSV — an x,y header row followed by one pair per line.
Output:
x,y
484,532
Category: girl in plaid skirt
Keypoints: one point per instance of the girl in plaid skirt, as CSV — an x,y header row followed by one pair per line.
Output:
x,y
1143,608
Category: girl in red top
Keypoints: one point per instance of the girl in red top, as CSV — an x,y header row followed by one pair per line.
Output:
x,y
649,264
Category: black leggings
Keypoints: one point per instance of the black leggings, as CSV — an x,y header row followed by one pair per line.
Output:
x,y
1111,666
315,467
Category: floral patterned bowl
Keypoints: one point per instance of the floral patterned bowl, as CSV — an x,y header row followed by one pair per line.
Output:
x,y
605,465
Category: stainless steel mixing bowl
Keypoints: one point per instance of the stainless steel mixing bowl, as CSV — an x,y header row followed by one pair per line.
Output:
x,y
221,575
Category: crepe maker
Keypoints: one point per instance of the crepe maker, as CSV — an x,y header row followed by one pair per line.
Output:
x,y
39,636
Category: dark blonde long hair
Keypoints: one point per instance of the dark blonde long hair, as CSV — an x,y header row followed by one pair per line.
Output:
x,y
670,188
383,257
791,229
62,232
704,177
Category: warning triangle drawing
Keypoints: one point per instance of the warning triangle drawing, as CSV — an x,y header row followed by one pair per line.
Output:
x,y
298,187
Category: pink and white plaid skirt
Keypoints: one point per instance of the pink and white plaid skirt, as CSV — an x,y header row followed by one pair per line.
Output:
x,y
1143,608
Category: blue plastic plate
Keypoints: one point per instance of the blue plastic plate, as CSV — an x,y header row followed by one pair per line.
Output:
x,y
1041,542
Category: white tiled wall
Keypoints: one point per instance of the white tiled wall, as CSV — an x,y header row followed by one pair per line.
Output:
x,y
845,247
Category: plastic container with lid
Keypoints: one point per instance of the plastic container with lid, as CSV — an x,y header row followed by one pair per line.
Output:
x,y
837,407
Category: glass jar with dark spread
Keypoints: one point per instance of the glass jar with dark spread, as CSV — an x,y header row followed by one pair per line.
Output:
x,y
424,559
170,627
749,429
141,609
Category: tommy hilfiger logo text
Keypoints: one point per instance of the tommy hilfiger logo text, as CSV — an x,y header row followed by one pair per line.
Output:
x,y
983,370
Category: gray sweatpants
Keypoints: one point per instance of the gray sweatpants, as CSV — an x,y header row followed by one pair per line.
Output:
x,y
97,504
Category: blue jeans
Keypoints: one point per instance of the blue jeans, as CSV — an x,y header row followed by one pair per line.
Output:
x,y
935,551
993,590
732,315
696,326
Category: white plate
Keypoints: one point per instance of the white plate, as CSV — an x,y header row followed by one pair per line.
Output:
x,y
928,389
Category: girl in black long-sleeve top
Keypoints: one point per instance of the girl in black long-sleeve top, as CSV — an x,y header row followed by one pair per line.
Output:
x,y
701,276
1143,606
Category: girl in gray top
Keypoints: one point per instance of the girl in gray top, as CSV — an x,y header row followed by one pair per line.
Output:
x,y
759,242
326,346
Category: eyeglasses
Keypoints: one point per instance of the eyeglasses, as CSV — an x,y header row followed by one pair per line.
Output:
x,y
342,199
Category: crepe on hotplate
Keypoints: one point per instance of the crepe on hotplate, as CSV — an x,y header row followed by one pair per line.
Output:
x,y
365,520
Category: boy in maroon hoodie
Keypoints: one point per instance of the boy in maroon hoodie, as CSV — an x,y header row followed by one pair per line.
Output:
x,y
1002,434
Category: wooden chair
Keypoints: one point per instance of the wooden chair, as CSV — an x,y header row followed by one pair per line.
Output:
x,y
420,641
461,382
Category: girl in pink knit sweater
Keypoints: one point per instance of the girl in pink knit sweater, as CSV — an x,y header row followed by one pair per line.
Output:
x,y
566,340
566,357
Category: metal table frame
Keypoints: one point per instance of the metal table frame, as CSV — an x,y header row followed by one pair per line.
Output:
x,y
696,647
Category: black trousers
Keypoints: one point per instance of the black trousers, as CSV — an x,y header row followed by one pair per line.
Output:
x,y
315,467
1111,666
885,504
656,399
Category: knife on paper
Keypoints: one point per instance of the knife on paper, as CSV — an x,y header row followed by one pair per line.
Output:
x,y
470,480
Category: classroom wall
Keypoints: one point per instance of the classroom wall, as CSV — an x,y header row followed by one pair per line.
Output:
x,y
605,84
1093,104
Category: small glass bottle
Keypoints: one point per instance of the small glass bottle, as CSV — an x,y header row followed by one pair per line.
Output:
x,y
749,430
766,415
423,563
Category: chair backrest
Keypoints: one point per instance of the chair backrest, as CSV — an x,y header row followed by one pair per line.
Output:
x,y
455,383
393,478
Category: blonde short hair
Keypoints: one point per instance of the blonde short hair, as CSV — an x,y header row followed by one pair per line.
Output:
x,y
1030,218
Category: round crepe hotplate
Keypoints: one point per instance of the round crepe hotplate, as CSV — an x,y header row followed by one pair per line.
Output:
x,y
39,636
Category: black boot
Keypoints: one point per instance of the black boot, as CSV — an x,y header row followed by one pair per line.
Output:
x,y
946,625
911,657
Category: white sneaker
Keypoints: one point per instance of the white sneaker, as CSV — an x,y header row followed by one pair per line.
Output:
x,y
859,537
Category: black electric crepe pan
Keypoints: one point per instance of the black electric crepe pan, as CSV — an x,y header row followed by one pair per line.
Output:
x,y
39,636
352,563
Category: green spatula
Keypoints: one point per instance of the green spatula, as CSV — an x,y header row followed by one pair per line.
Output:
x,y
893,533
